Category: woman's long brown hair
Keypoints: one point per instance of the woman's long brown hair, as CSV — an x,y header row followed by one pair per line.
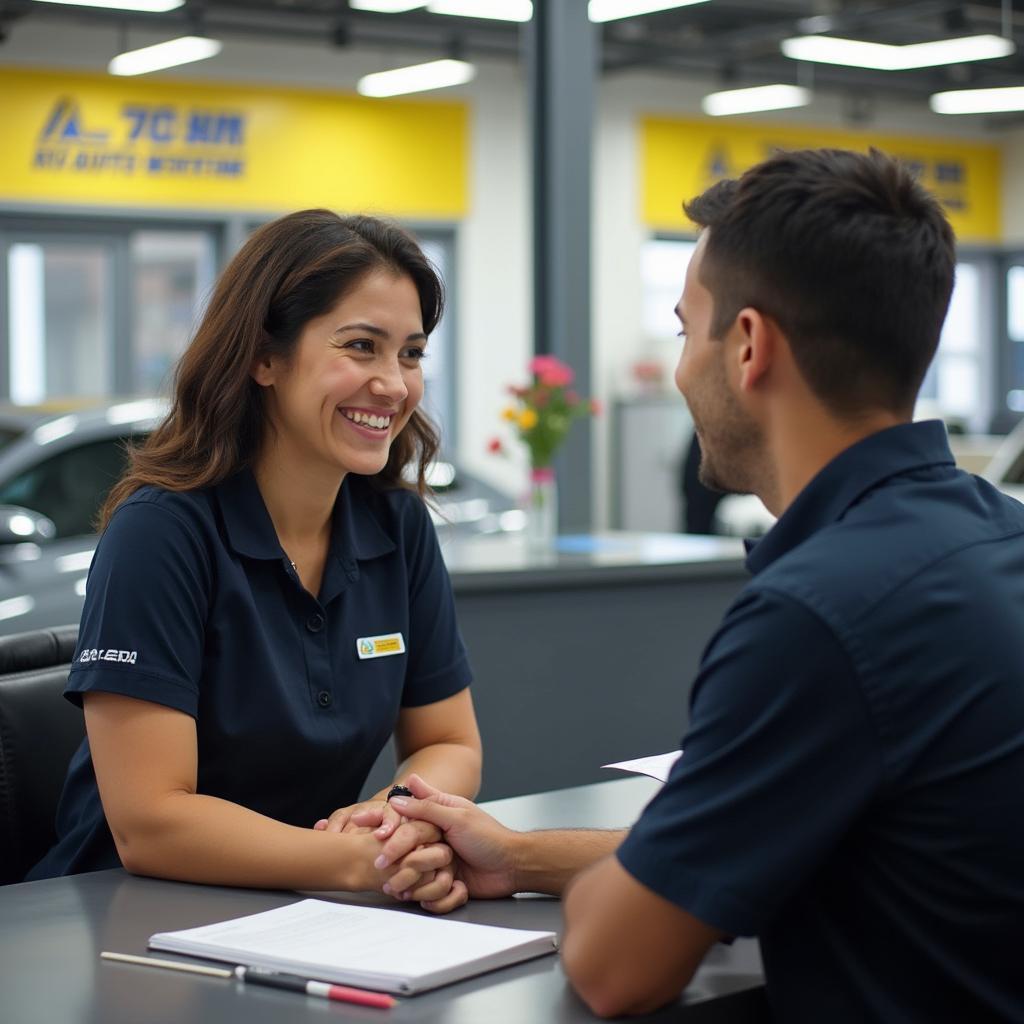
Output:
x,y
289,272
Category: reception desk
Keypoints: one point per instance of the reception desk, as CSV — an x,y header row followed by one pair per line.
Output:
x,y
583,654
52,933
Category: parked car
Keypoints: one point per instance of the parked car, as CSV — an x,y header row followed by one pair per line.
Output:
x,y
56,469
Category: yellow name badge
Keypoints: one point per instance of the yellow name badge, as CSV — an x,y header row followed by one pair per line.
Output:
x,y
380,646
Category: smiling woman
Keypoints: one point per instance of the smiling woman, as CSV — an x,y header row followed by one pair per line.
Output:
x,y
280,587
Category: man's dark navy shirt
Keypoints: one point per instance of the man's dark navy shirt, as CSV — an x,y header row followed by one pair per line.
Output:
x,y
192,603
852,788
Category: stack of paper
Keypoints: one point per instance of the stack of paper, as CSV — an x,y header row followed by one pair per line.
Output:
x,y
388,950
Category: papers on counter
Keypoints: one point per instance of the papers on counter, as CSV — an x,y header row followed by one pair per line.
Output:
x,y
657,766
387,950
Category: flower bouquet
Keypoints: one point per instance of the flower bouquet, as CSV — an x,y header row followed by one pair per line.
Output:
x,y
541,415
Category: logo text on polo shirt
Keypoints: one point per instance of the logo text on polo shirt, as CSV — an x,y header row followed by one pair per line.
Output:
x,y
380,646
108,654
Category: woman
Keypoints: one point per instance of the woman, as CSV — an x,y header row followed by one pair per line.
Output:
x,y
267,603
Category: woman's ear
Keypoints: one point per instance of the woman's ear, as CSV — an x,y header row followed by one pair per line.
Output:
x,y
262,371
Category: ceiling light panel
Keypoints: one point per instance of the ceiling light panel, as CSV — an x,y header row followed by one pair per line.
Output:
x,y
978,101
148,6
857,53
760,97
387,6
493,10
184,50
612,10
435,74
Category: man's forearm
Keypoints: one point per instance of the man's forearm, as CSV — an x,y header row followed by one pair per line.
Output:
x,y
547,861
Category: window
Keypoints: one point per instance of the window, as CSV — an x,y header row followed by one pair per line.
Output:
x,y
97,308
957,383
1015,332
60,319
172,275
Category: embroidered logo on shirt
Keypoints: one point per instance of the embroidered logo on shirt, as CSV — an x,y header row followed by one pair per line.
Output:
x,y
108,655
380,646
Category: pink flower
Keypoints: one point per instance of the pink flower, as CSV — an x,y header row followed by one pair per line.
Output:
x,y
551,372
596,408
494,445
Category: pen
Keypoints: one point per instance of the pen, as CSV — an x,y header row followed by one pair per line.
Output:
x,y
170,965
294,983
261,976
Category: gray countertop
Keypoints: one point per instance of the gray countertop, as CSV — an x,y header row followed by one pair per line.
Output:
x,y
52,932
509,561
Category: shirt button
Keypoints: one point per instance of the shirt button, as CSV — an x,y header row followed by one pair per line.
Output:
x,y
323,698
315,623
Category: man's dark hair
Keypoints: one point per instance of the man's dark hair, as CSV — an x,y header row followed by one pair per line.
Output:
x,y
849,255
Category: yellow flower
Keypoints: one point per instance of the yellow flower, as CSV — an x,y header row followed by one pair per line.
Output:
x,y
508,413
527,419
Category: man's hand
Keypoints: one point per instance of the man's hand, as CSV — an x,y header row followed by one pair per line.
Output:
x,y
485,850
341,819
425,873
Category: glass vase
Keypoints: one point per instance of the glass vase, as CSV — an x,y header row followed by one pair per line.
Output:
x,y
542,509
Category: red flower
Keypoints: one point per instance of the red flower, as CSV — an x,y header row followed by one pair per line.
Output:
x,y
494,445
551,372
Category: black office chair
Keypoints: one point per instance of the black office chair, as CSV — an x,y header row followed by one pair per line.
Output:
x,y
39,731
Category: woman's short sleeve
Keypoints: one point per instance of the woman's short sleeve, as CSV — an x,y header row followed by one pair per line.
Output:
x,y
143,623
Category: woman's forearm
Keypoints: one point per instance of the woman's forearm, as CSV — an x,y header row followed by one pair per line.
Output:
x,y
450,767
194,838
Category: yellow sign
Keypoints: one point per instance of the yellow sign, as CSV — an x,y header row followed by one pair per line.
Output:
x,y
110,141
681,158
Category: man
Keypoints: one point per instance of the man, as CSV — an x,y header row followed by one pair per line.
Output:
x,y
852,789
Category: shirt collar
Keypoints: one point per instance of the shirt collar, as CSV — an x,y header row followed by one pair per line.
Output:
x,y
356,532
846,479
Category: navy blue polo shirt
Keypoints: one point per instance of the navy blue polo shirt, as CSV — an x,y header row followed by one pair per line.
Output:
x,y
192,603
853,784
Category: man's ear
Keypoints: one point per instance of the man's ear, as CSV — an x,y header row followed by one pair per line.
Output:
x,y
756,340
262,371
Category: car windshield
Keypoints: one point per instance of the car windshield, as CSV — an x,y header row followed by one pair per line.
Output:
x,y
9,434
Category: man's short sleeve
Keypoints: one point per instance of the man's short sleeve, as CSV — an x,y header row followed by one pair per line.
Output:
x,y
143,622
438,665
779,758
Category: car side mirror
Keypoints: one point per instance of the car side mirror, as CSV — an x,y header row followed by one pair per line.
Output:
x,y
21,525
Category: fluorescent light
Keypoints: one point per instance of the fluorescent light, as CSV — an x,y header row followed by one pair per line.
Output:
x,y
435,74
760,97
495,10
856,53
149,6
612,10
386,6
183,50
978,101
